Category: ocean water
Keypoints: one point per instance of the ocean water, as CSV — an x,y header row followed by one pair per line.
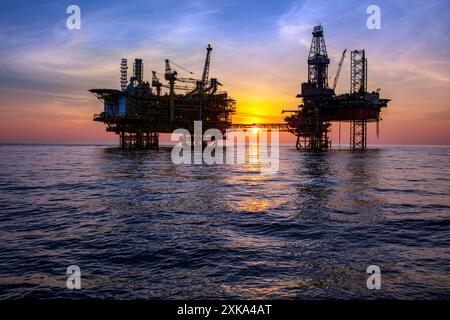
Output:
x,y
139,226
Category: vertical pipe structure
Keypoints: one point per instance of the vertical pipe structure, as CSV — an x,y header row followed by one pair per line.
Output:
x,y
365,71
172,99
122,139
339,134
378,127
171,75
138,70
123,74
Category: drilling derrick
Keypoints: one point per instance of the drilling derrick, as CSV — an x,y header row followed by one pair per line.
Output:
x,y
321,106
311,128
318,60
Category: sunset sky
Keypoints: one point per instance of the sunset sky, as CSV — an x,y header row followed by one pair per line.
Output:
x,y
260,52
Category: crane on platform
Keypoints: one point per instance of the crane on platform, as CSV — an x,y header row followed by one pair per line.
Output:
x,y
203,85
213,83
172,75
338,72
156,83
205,74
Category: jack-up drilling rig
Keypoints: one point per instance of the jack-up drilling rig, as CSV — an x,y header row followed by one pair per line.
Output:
x,y
312,121
138,115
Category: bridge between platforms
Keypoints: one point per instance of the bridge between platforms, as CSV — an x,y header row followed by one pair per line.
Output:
x,y
281,127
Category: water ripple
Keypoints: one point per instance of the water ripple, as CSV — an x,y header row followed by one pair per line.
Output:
x,y
141,227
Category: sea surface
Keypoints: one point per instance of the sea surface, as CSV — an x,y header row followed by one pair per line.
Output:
x,y
139,226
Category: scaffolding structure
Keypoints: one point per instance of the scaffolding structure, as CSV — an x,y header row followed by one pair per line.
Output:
x,y
139,140
358,134
358,69
123,74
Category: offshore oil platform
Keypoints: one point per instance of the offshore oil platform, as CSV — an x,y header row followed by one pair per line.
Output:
x,y
139,111
311,122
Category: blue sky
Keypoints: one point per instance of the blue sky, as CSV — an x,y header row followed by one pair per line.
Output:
x,y
260,49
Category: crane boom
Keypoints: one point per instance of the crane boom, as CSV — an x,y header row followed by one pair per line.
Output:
x,y
336,78
205,74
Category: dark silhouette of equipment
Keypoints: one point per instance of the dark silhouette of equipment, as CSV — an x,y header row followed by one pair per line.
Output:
x,y
123,74
338,72
205,74
138,115
312,120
